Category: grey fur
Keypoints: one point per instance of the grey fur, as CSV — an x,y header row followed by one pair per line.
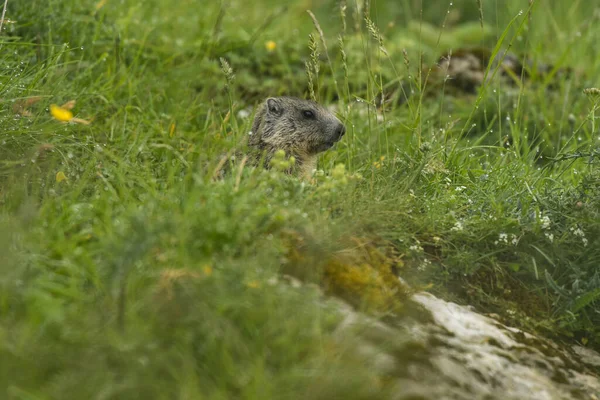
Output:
x,y
301,128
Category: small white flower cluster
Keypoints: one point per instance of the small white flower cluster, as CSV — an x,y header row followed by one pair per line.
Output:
x,y
503,238
546,222
458,226
244,113
416,248
422,267
578,232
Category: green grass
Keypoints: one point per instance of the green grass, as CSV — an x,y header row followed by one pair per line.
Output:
x,y
490,199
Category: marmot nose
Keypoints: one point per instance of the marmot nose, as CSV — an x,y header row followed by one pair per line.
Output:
x,y
340,131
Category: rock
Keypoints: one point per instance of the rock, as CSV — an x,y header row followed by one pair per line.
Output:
x,y
456,353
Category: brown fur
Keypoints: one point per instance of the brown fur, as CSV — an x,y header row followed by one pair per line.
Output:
x,y
301,128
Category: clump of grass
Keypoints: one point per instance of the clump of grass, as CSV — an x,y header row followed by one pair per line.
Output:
x,y
313,67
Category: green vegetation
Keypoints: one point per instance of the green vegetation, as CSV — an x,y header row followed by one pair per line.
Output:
x,y
130,270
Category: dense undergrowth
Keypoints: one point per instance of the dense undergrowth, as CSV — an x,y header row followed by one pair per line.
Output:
x,y
129,265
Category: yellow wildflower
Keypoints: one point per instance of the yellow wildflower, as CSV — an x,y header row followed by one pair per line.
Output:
x,y
60,113
270,45
207,269
63,113
253,284
60,176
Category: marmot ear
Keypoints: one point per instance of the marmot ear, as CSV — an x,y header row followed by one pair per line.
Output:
x,y
274,107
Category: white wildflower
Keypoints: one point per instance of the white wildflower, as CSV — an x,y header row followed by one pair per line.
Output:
x,y
550,237
422,267
545,220
458,226
416,248
243,114
578,232
502,238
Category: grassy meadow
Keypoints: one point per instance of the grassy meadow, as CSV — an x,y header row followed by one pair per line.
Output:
x,y
129,269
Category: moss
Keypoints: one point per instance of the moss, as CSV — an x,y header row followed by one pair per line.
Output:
x,y
365,278
361,271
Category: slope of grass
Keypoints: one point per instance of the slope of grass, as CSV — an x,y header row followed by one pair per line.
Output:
x,y
128,266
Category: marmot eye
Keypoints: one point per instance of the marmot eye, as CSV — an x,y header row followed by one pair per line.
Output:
x,y
308,114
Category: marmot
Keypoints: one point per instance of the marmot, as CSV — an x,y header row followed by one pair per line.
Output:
x,y
301,128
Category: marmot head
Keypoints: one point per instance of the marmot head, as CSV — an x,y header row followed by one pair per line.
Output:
x,y
302,128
